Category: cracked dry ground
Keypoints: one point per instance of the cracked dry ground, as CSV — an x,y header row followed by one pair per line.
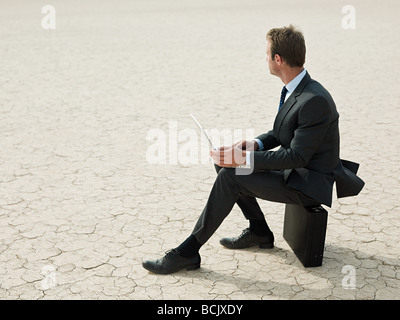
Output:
x,y
80,204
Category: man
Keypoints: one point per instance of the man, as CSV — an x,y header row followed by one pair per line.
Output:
x,y
302,171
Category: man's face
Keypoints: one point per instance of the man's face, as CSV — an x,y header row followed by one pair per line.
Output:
x,y
271,61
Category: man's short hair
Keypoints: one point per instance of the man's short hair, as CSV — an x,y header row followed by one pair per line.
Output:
x,y
288,42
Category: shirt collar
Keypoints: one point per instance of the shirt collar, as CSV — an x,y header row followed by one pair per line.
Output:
x,y
292,85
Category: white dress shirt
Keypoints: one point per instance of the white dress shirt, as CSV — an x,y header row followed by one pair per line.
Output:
x,y
291,86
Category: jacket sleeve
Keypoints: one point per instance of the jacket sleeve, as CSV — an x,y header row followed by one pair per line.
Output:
x,y
268,140
314,118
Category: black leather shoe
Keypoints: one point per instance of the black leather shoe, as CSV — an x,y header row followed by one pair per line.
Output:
x,y
172,262
248,239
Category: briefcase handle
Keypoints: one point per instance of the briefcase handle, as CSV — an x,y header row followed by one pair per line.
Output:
x,y
317,209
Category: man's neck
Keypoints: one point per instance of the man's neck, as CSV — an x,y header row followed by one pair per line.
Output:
x,y
290,74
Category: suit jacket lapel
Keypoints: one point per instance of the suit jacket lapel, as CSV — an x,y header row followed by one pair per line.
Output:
x,y
289,103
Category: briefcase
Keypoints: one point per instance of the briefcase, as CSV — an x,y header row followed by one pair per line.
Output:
x,y
304,229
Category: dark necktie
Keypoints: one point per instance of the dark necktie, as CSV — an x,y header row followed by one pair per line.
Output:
x,y
283,95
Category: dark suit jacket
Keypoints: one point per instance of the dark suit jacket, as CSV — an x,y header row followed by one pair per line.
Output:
x,y
306,129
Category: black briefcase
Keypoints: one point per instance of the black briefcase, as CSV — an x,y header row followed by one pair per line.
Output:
x,y
304,229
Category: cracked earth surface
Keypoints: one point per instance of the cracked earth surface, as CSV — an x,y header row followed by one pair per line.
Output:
x,y
80,204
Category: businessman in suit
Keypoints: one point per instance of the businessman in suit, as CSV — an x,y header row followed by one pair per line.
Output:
x,y
301,171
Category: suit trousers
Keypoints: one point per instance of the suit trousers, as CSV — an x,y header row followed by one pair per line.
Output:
x,y
230,188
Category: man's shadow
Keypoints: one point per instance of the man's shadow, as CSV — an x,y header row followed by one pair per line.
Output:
x,y
344,274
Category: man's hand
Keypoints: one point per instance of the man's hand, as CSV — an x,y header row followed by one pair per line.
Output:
x,y
246,145
228,157
234,155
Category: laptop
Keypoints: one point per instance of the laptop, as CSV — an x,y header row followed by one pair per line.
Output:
x,y
205,134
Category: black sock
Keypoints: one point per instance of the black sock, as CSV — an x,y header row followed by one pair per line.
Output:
x,y
190,247
259,227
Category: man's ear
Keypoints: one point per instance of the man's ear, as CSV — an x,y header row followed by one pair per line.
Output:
x,y
278,59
